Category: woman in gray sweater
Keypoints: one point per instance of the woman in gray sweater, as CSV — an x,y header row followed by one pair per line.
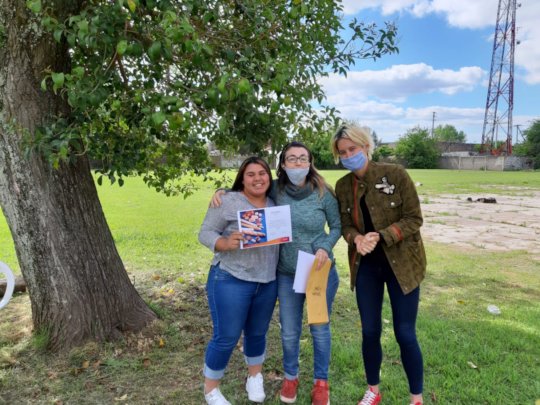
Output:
x,y
241,285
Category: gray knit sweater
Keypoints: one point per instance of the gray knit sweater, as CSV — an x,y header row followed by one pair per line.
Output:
x,y
254,264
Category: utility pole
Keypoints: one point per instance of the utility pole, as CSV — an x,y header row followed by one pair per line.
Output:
x,y
433,125
518,133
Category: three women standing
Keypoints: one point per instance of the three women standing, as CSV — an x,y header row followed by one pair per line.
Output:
x,y
380,220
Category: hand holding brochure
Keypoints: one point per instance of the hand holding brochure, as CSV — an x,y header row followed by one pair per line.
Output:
x,y
265,226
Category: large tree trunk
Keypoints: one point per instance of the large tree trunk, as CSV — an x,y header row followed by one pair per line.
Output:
x,y
78,286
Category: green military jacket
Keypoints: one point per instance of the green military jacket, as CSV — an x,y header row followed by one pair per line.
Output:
x,y
394,207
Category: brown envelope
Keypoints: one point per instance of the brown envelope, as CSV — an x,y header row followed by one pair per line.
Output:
x,y
317,310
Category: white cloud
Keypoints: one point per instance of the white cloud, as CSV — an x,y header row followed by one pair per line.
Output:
x,y
356,98
467,14
399,82
390,121
527,56
458,13
387,6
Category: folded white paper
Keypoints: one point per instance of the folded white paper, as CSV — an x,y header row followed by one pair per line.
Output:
x,y
303,267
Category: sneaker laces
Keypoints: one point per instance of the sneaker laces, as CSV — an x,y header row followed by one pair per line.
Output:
x,y
215,397
320,391
288,391
369,398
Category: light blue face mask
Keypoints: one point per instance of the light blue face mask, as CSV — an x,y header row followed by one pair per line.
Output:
x,y
355,162
297,176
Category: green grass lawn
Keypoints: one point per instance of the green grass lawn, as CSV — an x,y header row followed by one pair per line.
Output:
x,y
471,356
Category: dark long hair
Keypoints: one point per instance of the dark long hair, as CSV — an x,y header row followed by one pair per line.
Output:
x,y
313,178
238,184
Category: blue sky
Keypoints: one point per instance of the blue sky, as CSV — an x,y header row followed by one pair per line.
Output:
x,y
443,67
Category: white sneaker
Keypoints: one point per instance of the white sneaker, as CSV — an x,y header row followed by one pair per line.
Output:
x,y
255,389
215,397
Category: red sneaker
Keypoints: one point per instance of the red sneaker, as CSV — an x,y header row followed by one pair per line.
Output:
x,y
370,398
288,391
320,394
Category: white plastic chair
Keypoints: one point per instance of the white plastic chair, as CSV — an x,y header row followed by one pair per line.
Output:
x,y
10,284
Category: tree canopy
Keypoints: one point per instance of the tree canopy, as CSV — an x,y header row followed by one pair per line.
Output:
x,y
140,87
531,146
418,149
448,133
151,82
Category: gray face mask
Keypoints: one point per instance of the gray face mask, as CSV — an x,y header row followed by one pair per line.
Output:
x,y
297,176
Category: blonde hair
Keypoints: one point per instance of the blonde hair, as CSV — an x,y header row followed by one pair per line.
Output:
x,y
361,136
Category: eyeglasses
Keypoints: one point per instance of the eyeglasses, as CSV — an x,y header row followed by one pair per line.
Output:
x,y
293,159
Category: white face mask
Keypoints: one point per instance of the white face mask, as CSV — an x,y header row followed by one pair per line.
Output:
x,y
297,176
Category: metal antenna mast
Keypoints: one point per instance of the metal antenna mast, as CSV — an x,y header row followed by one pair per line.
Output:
x,y
500,97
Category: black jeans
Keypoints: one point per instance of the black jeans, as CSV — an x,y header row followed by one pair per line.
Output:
x,y
370,280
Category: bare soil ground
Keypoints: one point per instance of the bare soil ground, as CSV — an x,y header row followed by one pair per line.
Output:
x,y
512,223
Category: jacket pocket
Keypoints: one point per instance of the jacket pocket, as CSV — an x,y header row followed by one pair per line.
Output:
x,y
392,206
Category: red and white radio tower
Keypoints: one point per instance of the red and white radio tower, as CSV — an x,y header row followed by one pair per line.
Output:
x,y
500,97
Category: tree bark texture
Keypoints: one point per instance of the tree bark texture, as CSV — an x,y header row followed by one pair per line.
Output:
x,y
79,289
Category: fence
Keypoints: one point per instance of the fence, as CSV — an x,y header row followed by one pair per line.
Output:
x,y
497,163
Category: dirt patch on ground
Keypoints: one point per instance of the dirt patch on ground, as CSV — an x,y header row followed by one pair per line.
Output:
x,y
512,223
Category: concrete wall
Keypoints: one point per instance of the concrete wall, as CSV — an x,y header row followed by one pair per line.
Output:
x,y
499,163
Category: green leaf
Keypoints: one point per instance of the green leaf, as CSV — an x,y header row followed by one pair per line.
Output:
x,y
222,83
176,121
121,47
44,84
78,71
83,27
58,35
132,5
135,49
34,5
223,124
158,118
154,52
243,86
58,80
72,40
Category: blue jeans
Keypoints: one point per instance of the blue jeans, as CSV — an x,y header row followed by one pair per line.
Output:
x,y
291,311
370,280
235,306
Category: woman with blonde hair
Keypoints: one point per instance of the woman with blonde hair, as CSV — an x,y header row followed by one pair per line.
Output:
x,y
381,219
